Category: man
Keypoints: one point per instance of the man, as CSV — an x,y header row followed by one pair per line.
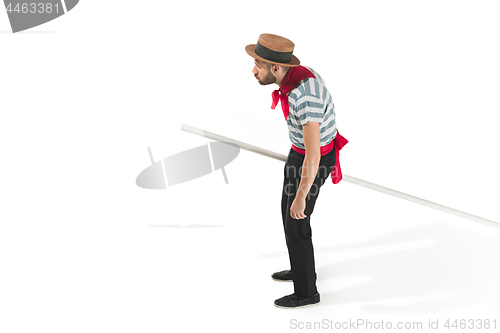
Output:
x,y
309,112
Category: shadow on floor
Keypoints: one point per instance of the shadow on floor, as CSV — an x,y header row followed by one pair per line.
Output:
x,y
452,269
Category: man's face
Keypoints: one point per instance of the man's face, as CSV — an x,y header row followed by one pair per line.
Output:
x,y
262,73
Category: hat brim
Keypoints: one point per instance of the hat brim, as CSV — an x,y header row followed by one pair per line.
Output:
x,y
251,51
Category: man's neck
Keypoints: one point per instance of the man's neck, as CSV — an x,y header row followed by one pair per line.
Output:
x,y
280,78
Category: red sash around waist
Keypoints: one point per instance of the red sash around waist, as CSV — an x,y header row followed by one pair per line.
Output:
x,y
336,143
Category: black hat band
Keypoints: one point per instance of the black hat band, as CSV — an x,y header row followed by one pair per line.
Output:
x,y
268,54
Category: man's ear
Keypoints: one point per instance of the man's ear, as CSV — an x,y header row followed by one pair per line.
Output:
x,y
275,69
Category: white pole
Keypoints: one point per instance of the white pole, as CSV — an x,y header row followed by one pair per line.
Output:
x,y
242,145
401,195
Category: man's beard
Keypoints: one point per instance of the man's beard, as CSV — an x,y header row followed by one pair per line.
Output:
x,y
270,78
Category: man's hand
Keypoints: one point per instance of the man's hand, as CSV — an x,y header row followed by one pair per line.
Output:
x,y
297,208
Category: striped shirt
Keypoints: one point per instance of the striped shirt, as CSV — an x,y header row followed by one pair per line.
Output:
x,y
311,101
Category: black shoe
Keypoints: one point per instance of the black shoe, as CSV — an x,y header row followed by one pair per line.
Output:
x,y
292,301
282,276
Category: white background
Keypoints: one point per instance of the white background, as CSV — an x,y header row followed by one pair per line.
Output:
x,y
83,249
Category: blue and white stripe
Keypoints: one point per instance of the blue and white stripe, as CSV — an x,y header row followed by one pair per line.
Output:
x,y
311,101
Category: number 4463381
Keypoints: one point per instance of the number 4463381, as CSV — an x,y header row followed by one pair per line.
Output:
x,y
471,324
33,8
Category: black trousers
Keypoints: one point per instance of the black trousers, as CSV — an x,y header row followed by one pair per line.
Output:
x,y
298,233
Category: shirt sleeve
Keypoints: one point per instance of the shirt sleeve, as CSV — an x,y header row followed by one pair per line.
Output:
x,y
309,108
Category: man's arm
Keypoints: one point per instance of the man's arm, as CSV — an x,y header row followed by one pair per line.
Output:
x,y
309,168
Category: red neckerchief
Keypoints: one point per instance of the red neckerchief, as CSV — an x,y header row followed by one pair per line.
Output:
x,y
290,82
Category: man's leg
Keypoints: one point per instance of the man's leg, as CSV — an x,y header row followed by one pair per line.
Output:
x,y
298,232
288,190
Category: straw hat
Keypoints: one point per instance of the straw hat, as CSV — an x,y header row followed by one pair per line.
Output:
x,y
274,49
